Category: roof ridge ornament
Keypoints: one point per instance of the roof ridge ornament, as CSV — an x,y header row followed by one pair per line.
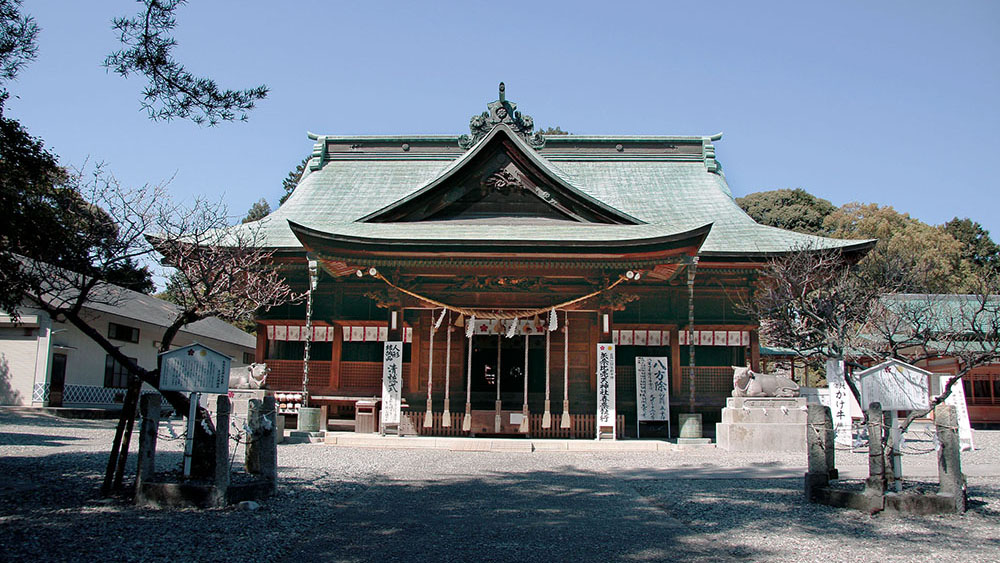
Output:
x,y
501,111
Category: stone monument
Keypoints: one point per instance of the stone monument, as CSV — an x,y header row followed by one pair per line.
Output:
x,y
765,413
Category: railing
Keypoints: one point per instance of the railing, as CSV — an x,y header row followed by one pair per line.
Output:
x,y
982,390
709,381
361,376
581,425
286,375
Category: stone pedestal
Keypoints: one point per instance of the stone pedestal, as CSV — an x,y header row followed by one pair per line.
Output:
x,y
763,424
690,430
309,420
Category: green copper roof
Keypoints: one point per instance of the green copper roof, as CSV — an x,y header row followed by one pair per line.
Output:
x,y
668,184
672,195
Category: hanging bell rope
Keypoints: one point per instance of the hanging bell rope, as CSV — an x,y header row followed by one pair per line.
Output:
x,y
495,314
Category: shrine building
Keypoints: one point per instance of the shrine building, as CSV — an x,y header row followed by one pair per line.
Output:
x,y
506,262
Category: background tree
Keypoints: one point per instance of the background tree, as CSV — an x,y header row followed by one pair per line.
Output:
x,y
172,91
978,249
795,210
18,36
554,131
292,180
257,211
942,259
222,272
821,305
930,257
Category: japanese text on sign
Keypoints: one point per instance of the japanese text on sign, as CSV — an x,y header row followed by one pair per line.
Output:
x,y
652,388
605,384
392,382
194,369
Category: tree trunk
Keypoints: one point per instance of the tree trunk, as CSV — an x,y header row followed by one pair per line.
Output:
x,y
204,438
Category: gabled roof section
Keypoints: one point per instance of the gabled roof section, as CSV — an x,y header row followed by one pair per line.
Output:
x,y
500,167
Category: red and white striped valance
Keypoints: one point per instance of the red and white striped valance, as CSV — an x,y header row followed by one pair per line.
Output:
x,y
369,333
297,333
373,334
642,337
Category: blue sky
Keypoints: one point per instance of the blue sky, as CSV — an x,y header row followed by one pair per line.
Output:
x,y
887,102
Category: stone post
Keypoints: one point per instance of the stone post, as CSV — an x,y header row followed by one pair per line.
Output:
x,y
876,483
251,453
950,477
268,443
149,409
820,448
220,491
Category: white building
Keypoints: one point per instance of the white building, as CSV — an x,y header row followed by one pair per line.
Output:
x,y
44,362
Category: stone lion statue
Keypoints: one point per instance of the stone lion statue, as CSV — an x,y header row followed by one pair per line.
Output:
x,y
252,376
749,384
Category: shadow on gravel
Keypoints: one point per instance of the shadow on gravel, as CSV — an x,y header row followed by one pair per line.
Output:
x,y
15,439
50,510
598,517
46,420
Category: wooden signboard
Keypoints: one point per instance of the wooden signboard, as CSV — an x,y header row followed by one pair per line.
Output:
x,y
605,390
194,369
839,402
957,400
392,382
898,386
652,388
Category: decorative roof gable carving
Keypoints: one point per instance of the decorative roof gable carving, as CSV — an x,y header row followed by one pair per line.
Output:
x,y
501,111
501,176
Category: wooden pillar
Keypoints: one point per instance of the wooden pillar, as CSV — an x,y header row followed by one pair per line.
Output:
x,y
336,351
675,360
261,350
755,350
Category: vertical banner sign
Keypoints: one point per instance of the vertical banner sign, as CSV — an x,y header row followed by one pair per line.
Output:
x,y
392,381
840,402
605,386
652,388
957,400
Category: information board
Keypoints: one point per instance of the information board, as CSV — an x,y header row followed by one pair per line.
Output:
x,y
652,388
392,382
194,369
605,386
898,386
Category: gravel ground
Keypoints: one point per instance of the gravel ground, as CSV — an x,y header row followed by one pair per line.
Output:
x,y
346,504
